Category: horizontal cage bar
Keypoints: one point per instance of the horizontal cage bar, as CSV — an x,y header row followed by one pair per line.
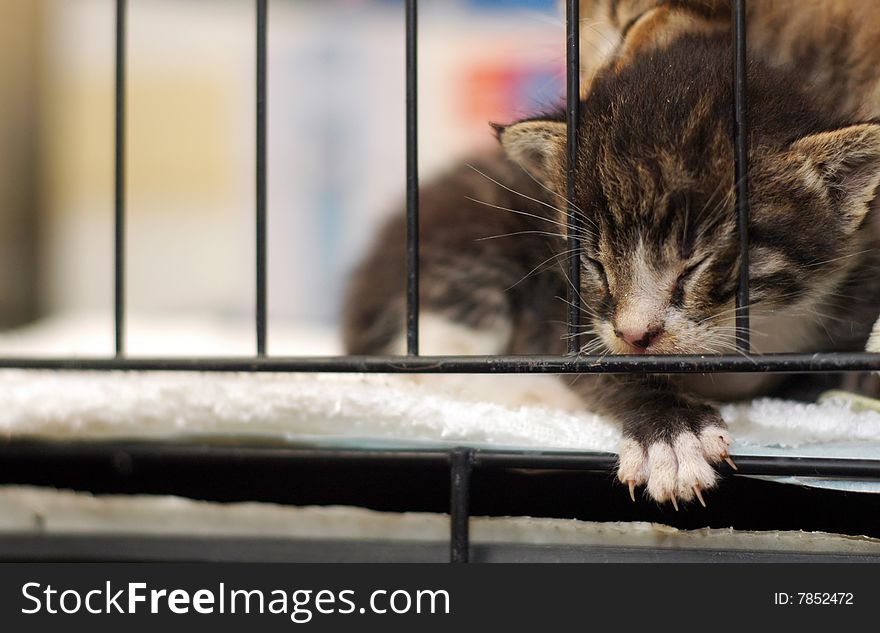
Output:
x,y
667,364
479,459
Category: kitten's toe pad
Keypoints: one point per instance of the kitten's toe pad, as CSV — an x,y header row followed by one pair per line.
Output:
x,y
677,468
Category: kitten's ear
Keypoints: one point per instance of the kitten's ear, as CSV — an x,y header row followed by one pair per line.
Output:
x,y
536,146
845,163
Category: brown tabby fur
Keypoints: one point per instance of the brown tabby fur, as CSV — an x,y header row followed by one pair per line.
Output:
x,y
832,45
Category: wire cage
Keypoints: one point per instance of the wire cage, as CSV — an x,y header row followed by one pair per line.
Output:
x,y
460,462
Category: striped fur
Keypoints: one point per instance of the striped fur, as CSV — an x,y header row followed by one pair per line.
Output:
x,y
829,44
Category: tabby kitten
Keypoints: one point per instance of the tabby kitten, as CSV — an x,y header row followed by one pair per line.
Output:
x,y
833,45
654,186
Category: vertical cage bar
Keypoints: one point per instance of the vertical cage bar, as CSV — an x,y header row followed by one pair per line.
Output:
x,y
412,181
261,177
741,171
574,229
119,177
461,462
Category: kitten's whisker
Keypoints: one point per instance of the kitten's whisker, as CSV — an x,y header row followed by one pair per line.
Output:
x,y
495,237
552,193
720,329
517,211
571,285
730,193
837,259
564,199
718,188
567,255
519,193
583,22
583,308
571,336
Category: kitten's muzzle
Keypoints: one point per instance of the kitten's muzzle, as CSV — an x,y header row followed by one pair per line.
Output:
x,y
640,339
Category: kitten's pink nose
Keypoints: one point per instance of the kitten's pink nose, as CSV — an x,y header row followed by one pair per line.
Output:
x,y
640,338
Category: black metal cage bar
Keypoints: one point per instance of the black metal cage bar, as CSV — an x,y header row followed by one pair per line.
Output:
x,y
261,9
573,217
412,180
741,171
830,362
460,465
119,176
460,460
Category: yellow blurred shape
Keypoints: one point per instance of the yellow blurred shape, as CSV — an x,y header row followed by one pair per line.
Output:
x,y
178,137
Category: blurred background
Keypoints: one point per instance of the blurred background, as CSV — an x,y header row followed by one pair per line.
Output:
x,y
335,135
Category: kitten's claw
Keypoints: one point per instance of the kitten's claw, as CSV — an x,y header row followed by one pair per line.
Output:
x,y
675,466
631,470
699,495
730,462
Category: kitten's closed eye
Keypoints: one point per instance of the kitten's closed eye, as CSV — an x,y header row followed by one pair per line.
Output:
x,y
600,271
678,290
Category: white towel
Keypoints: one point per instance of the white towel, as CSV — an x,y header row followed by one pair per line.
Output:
x,y
518,411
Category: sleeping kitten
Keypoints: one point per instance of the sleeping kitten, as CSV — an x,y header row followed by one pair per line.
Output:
x,y
830,44
654,185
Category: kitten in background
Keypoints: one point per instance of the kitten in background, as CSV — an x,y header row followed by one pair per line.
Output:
x,y
830,44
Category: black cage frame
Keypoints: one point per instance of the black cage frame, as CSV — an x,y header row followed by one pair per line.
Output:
x,y
460,461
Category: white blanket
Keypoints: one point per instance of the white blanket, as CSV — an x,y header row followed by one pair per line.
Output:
x,y
535,412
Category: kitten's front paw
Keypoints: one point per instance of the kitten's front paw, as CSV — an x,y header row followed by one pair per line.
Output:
x,y
674,457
